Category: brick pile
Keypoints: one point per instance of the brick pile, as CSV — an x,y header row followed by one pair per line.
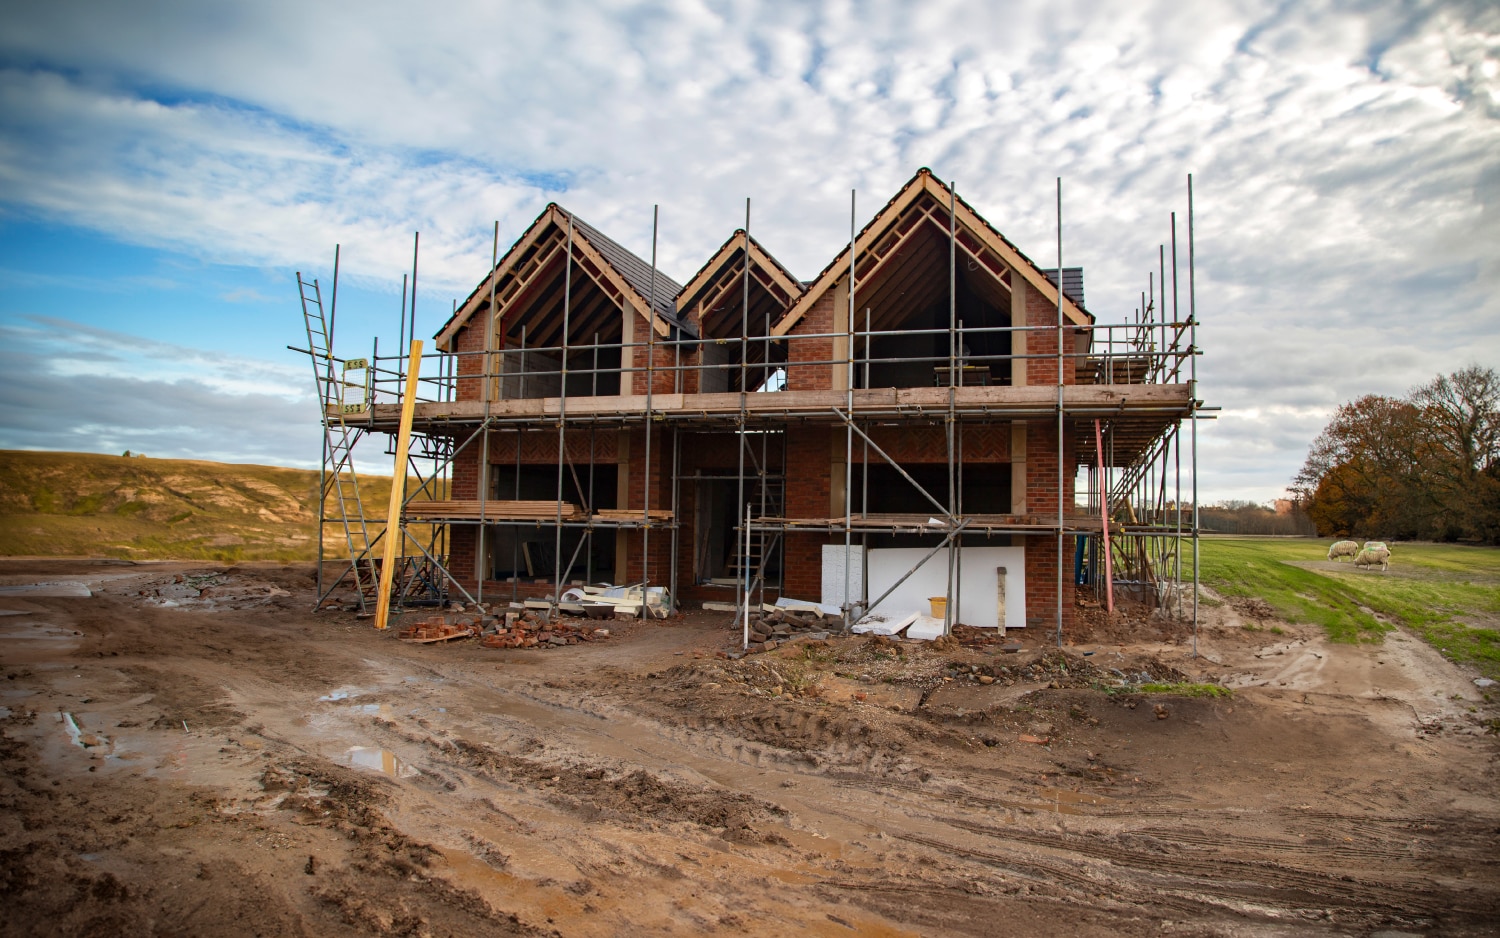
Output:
x,y
774,629
439,627
529,630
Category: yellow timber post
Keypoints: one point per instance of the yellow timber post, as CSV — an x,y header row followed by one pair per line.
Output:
x,y
398,489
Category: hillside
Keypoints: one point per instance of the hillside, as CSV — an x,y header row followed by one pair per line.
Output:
x,y
87,504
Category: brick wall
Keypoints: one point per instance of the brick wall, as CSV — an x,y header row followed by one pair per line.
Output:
x,y
463,541
819,319
1041,468
470,339
1041,584
1041,498
981,444
1041,311
663,380
660,484
807,493
465,473
540,446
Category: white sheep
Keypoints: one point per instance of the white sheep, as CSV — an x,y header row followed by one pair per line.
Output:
x,y
1343,549
1370,557
1377,545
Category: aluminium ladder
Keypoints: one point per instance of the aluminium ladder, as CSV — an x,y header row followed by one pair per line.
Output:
x,y
339,480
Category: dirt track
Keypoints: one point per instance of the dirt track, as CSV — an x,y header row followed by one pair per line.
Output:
x,y
212,779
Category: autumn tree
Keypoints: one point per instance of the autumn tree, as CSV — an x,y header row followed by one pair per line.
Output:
x,y
1426,466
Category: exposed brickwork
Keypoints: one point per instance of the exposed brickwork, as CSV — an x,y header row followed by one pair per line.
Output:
x,y
540,446
1041,311
819,320
981,444
470,339
465,474
660,484
1041,583
807,496
463,540
1041,468
1041,498
662,378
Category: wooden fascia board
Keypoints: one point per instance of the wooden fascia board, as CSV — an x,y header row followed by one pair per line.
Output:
x,y
481,294
1007,254
839,269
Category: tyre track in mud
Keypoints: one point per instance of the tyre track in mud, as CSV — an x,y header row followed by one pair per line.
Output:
x,y
1261,877
1429,855
1201,881
1208,884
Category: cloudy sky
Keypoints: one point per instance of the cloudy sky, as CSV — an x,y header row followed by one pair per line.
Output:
x,y
166,167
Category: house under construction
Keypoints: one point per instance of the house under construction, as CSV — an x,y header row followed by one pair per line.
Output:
x,y
909,424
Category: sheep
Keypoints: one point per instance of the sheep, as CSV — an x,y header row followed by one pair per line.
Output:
x,y
1370,557
1377,545
1343,549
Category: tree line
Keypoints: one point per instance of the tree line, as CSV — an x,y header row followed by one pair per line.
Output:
x,y
1243,517
1421,467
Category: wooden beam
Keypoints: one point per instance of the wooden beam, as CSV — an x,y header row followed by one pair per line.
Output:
x,y
925,185
481,294
398,489
971,220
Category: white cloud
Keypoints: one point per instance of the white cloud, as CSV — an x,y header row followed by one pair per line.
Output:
x,y
70,386
1348,196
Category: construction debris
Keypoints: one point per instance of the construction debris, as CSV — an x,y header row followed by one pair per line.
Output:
x,y
439,629
528,629
623,601
769,630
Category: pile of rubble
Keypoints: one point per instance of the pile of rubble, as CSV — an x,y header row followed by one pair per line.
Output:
x,y
211,590
772,629
528,629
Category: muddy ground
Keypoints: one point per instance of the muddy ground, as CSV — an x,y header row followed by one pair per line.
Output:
x,y
206,757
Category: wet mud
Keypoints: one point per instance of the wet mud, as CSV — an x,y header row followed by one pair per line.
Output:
x,y
187,749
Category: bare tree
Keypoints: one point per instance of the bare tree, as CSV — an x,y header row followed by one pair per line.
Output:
x,y
1461,427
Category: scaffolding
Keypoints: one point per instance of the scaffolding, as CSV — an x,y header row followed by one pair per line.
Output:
x,y
1117,409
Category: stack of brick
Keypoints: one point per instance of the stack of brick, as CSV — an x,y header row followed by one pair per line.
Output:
x,y
774,629
529,630
438,627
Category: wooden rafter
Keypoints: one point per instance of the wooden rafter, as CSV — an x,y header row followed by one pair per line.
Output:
x,y
727,266
898,219
526,258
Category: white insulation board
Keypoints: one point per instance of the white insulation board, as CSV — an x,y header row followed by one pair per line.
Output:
x,y
833,573
979,600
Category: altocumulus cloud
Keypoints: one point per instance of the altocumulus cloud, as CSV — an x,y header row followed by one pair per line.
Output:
x,y
1348,199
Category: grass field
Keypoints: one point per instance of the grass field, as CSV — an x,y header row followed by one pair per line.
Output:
x,y
93,505
1448,594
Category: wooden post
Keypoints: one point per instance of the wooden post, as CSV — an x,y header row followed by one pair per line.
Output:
x,y
398,489
1109,560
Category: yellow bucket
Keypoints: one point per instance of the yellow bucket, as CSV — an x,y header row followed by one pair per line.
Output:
x,y
939,606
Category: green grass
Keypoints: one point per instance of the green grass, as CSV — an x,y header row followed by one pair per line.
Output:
x,y
1187,690
1430,588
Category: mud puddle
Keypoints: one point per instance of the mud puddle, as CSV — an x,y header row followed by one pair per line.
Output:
x,y
380,760
59,589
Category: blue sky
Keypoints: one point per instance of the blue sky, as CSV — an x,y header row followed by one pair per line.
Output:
x,y
165,167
